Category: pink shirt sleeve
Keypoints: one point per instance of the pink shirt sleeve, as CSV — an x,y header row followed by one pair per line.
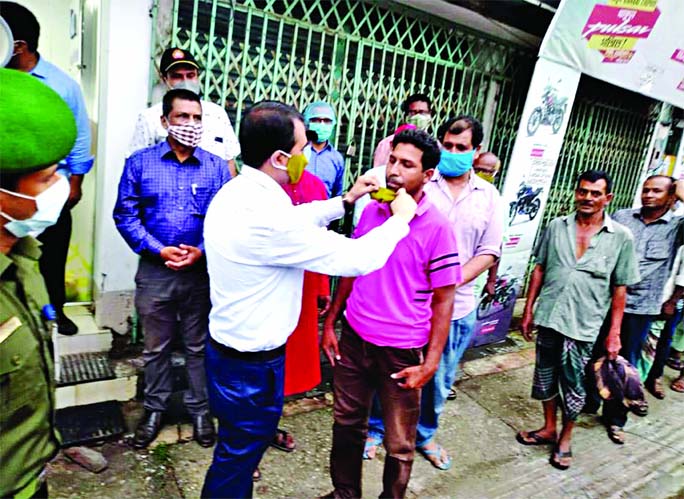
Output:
x,y
490,242
444,266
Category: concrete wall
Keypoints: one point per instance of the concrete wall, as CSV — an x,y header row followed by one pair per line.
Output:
x,y
123,86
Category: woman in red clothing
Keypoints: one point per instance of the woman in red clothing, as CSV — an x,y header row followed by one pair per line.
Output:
x,y
302,360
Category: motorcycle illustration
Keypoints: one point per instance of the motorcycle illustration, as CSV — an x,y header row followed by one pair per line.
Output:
x,y
551,112
527,202
504,295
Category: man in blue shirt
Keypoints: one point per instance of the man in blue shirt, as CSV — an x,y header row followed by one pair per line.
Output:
x,y
324,160
164,193
26,31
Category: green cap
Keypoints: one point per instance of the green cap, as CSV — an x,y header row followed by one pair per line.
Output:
x,y
37,128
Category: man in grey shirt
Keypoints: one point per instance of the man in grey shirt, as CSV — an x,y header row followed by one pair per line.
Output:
x,y
654,228
584,262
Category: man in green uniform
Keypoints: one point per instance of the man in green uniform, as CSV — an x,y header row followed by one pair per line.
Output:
x,y
37,129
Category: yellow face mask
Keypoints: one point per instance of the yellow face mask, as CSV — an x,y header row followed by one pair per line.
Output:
x,y
296,164
489,177
383,195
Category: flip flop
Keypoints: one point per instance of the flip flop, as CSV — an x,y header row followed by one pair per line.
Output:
x,y
616,434
436,453
372,443
678,385
452,394
280,441
536,439
556,456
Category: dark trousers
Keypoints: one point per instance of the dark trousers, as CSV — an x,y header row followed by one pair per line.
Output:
x,y
363,370
633,333
52,262
246,396
663,346
171,302
614,412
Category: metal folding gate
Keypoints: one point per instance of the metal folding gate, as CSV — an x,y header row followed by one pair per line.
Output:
x,y
363,57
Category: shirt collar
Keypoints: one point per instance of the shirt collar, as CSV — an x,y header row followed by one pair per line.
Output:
x,y
41,68
165,152
636,213
328,147
475,183
26,246
608,223
423,205
263,180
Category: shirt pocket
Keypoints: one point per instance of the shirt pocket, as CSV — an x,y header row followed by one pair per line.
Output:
x,y
658,250
20,372
596,266
201,197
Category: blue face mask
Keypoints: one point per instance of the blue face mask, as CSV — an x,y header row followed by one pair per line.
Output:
x,y
455,164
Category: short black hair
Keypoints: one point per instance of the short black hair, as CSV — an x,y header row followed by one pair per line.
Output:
x,y
415,98
10,181
673,185
594,176
177,93
22,23
460,124
423,141
267,127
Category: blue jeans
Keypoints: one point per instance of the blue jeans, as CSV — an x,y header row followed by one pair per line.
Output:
x,y
633,333
436,390
246,396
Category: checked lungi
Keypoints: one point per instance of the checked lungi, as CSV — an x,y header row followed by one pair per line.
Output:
x,y
559,369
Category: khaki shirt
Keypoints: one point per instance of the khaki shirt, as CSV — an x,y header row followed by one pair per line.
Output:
x,y
28,439
576,294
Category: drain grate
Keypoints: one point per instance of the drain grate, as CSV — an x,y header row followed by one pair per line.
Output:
x,y
83,368
90,423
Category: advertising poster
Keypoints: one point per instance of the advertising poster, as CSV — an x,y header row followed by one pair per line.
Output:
x,y
533,162
635,44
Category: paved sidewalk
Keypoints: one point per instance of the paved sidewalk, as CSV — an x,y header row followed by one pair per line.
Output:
x,y
478,429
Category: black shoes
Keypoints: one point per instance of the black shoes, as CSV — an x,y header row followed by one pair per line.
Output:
x,y
65,325
203,430
147,429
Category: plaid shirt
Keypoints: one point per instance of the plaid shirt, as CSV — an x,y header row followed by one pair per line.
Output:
x,y
162,202
656,248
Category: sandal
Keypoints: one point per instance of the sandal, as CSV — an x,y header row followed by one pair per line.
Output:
x,y
533,438
434,456
557,456
256,475
678,385
284,441
616,434
640,408
370,448
452,394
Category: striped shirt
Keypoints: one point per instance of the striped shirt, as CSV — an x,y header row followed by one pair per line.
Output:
x,y
392,306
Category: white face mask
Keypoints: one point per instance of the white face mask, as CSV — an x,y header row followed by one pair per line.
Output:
x,y
192,85
49,204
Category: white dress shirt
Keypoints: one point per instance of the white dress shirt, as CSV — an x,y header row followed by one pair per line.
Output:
x,y
258,245
218,136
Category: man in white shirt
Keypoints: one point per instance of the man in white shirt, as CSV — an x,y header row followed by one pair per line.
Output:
x,y
258,246
179,69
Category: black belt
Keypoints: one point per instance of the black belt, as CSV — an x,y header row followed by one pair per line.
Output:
x,y
261,356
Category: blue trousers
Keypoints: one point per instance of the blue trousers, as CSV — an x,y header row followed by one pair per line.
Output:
x,y
247,399
633,333
435,392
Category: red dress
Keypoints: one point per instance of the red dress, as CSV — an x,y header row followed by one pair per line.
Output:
x,y
302,360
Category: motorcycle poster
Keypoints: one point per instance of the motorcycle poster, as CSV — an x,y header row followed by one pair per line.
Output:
x,y
528,181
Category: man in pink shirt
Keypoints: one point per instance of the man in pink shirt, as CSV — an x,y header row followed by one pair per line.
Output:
x,y
418,111
395,325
